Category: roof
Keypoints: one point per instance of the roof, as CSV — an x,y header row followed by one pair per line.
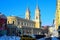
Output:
x,y
18,18
3,16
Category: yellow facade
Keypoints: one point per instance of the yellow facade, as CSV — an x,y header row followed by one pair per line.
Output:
x,y
57,17
27,16
37,18
37,25
11,20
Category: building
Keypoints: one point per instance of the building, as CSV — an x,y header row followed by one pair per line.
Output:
x,y
27,24
3,24
57,16
53,32
12,29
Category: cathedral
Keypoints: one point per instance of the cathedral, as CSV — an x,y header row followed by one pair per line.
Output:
x,y
36,23
27,25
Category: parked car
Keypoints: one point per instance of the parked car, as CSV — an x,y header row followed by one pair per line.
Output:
x,y
39,36
27,37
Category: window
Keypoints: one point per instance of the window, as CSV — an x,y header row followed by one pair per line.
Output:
x,y
22,23
13,22
25,24
36,17
18,23
8,22
59,8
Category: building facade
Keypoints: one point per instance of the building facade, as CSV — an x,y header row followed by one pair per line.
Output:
x,y
3,24
26,24
20,22
57,16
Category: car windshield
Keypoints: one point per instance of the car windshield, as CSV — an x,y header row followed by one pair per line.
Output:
x,y
39,36
27,36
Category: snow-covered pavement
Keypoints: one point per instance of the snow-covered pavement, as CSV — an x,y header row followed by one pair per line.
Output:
x,y
9,37
53,38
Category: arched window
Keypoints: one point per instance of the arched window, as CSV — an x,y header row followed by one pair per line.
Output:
x,y
21,23
13,22
8,22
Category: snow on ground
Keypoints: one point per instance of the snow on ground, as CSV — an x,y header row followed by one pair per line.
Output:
x,y
9,37
53,38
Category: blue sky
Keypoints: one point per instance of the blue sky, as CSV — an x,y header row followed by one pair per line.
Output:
x,y
18,8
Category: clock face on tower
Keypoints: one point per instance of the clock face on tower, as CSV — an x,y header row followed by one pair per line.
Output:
x,y
36,17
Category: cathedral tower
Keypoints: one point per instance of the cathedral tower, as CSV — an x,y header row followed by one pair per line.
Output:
x,y
57,16
27,16
37,18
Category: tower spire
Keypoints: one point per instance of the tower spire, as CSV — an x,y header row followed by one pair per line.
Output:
x,y
37,17
27,16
